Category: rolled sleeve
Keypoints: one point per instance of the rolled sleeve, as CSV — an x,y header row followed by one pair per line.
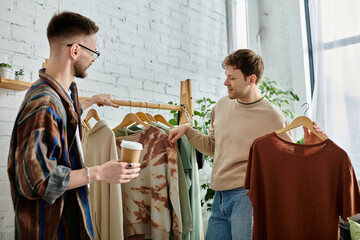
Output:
x,y
58,182
38,152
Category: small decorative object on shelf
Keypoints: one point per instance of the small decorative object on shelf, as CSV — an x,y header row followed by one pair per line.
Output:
x,y
19,75
5,70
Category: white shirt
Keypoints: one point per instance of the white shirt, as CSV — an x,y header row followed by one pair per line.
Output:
x,y
78,141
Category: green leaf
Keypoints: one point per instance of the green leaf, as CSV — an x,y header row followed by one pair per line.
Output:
x,y
300,141
5,65
173,122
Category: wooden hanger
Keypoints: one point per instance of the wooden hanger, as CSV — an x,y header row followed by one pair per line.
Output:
x,y
150,117
92,113
302,121
129,119
160,118
143,117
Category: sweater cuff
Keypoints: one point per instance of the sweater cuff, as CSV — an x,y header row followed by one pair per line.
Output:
x,y
58,182
190,133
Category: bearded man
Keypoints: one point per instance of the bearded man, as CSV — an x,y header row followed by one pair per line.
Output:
x,y
48,178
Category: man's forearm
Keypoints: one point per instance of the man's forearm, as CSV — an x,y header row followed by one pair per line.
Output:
x,y
202,142
80,177
85,103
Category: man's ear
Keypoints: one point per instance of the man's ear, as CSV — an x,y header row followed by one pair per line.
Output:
x,y
74,51
252,78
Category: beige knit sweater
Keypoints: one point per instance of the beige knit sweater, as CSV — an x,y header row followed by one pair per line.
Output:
x,y
99,146
234,126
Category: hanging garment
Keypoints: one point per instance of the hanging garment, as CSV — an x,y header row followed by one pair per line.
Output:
x,y
299,191
190,207
99,147
188,155
127,131
151,203
185,187
200,158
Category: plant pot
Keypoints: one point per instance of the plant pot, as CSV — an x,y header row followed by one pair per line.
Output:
x,y
5,72
19,77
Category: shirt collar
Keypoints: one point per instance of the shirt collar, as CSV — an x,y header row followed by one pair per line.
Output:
x,y
56,85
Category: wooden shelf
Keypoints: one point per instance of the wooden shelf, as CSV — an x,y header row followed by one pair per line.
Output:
x,y
14,84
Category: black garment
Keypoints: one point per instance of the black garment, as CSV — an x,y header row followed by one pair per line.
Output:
x,y
345,230
200,159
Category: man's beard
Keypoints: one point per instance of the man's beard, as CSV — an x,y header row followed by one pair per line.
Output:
x,y
232,95
80,70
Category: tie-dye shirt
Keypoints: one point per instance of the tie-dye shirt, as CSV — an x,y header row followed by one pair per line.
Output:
x,y
151,202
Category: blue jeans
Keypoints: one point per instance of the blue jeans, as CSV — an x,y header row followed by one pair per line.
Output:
x,y
231,216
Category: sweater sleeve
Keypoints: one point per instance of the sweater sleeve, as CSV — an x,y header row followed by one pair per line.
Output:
x,y
202,142
39,147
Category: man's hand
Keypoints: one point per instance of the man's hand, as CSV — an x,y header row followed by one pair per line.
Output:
x,y
104,100
99,99
311,138
112,171
176,133
118,172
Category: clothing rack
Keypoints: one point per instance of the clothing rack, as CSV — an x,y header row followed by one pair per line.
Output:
x,y
186,107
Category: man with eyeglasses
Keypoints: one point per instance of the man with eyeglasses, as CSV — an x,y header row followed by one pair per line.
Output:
x,y
46,169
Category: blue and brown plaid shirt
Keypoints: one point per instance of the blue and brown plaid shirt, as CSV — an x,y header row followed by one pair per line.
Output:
x,y
42,153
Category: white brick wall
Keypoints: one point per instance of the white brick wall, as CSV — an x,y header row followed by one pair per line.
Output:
x,y
147,47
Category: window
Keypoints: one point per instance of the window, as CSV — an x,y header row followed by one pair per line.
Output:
x,y
241,24
335,35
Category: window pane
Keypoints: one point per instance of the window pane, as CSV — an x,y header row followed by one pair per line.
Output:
x,y
340,19
342,72
241,24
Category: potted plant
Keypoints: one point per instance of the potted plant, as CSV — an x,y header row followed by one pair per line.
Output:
x,y
19,75
5,70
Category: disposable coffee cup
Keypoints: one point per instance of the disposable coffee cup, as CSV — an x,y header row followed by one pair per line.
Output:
x,y
130,151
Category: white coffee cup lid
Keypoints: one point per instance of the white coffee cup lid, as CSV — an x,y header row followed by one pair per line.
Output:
x,y
131,145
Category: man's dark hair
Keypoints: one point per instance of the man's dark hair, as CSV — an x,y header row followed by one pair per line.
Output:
x,y
247,61
67,24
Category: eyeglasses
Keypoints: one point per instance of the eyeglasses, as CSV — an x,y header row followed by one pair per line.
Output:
x,y
96,54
